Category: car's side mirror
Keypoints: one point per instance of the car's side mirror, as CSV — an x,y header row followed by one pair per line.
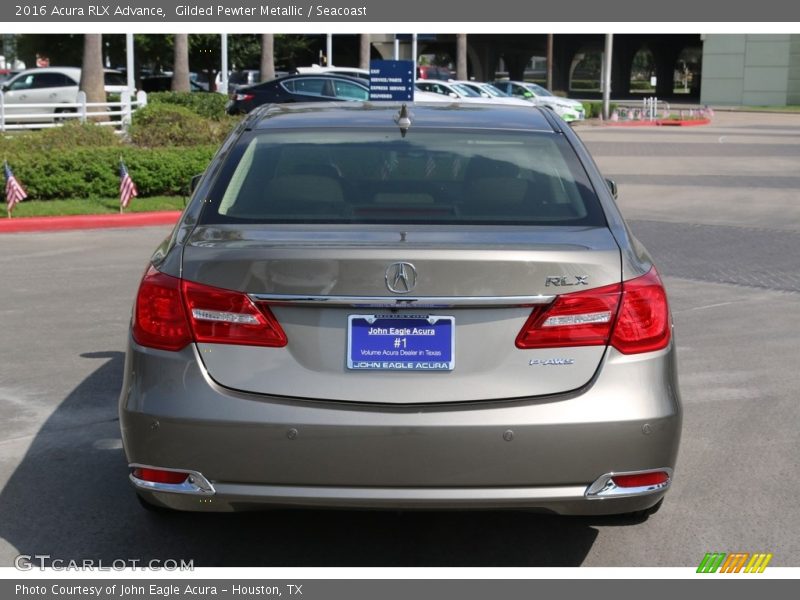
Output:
x,y
193,183
452,95
612,187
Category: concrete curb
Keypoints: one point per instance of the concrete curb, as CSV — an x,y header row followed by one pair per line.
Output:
x,y
142,219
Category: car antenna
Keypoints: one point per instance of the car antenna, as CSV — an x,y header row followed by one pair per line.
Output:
x,y
403,120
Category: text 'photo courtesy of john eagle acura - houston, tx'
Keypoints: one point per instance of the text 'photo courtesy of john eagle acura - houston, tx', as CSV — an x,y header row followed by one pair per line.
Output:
x,y
431,305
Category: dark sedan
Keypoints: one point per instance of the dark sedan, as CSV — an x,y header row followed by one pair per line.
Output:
x,y
297,88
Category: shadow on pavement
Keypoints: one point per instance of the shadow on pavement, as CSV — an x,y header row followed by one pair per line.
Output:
x,y
70,498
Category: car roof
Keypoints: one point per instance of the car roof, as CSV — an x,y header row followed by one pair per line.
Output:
x,y
380,115
68,70
318,69
338,76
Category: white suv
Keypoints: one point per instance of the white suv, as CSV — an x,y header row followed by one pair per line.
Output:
x,y
50,85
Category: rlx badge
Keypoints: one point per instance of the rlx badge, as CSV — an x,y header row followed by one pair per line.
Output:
x,y
564,280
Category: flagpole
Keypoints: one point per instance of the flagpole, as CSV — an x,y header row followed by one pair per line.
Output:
x,y
8,206
121,210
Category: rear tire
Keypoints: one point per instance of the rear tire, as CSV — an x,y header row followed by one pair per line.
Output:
x,y
61,111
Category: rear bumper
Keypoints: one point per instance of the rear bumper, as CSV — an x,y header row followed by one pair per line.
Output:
x,y
532,453
568,500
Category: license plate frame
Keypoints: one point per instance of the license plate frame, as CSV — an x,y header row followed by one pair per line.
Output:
x,y
378,342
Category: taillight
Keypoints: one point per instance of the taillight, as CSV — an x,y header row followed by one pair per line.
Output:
x,y
171,313
633,317
227,317
159,319
577,319
244,97
643,324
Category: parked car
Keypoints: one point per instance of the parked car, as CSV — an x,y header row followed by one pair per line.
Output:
x,y
465,93
486,90
49,85
6,74
163,83
380,305
243,78
297,88
350,71
434,72
569,110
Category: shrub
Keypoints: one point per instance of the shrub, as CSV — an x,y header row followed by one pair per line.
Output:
x,y
210,106
167,125
91,172
172,125
641,86
72,134
75,134
594,108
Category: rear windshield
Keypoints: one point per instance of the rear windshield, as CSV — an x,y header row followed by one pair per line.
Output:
x,y
428,176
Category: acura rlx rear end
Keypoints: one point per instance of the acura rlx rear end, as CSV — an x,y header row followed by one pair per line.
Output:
x,y
411,307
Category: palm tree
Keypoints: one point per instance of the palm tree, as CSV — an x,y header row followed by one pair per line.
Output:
x,y
180,63
363,51
461,56
267,56
92,79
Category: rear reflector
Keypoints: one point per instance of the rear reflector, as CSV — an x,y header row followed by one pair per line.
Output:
x,y
641,479
171,313
159,476
632,316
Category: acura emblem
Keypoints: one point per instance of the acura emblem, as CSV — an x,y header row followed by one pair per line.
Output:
x,y
401,277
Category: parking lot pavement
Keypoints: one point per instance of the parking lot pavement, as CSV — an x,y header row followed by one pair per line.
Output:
x,y
726,243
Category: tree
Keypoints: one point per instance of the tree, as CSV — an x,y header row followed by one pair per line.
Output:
x,y
461,56
92,80
364,51
267,56
180,63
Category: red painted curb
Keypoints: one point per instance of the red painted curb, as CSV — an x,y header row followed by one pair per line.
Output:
x,y
685,123
659,123
142,219
631,123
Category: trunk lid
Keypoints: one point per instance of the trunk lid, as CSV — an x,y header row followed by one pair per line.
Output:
x,y
317,278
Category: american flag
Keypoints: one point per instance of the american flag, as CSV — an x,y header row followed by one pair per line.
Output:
x,y
127,189
14,191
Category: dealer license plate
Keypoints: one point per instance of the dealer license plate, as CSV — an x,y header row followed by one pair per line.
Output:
x,y
401,343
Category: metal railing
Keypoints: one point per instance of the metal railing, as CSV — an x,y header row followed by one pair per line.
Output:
x,y
648,109
112,114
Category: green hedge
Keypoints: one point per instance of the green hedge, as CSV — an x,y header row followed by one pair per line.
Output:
x,y
210,106
172,125
71,135
594,108
93,172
